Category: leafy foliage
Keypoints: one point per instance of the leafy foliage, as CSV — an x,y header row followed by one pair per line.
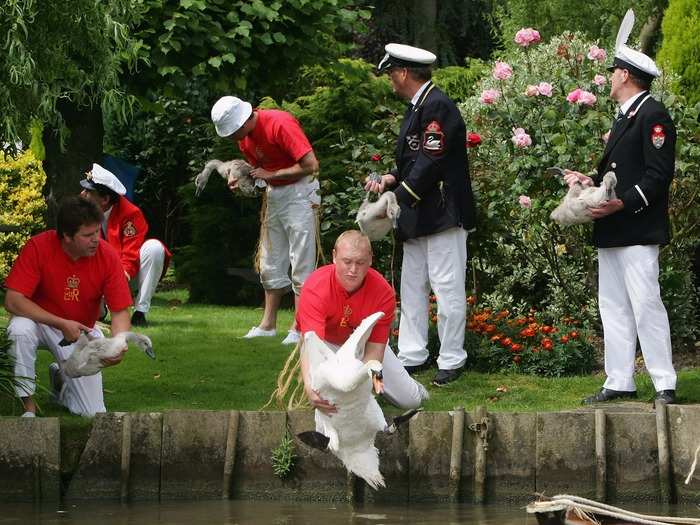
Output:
x,y
74,49
680,49
284,457
521,257
21,205
599,20
246,46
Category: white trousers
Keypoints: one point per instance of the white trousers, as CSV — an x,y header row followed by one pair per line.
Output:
x,y
82,396
630,307
439,262
151,261
290,238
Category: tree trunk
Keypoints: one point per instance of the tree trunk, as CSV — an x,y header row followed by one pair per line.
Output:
x,y
83,146
425,17
649,34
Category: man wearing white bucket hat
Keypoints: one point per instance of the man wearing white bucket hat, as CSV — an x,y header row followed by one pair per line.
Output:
x,y
628,230
274,143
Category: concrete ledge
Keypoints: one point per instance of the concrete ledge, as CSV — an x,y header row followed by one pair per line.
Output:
x,y
436,457
30,459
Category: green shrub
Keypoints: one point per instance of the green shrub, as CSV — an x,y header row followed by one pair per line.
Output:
x,y
21,204
680,49
458,82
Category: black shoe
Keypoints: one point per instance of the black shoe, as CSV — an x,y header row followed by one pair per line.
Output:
x,y
138,319
447,376
665,396
414,369
606,394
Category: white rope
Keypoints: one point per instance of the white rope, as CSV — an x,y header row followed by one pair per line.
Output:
x,y
692,467
595,507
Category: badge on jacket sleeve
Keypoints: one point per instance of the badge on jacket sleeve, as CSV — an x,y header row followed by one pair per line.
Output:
x,y
433,137
129,229
658,137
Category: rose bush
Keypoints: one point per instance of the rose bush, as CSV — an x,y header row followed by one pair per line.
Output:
x,y
544,105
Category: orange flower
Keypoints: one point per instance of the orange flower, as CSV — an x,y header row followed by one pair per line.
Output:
x,y
433,318
490,328
521,321
517,359
496,338
507,342
471,300
546,329
516,347
573,335
564,339
547,343
527,332
433,299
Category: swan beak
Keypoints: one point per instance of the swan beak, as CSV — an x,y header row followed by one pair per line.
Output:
x,y
149,352
314,439
378,381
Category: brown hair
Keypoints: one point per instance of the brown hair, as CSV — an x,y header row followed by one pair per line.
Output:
x,y
75,212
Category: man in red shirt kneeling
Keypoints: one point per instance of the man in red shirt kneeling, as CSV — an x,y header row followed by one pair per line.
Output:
x,y
333,302
54,291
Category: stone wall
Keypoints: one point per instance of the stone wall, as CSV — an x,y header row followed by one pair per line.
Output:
x,y
625,452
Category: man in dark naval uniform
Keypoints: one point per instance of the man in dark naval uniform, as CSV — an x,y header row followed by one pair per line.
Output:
x,y
432,185
629,229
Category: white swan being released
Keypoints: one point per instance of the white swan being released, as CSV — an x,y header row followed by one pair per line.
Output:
x,y
344,380
232,170
573,208
87,355
376,219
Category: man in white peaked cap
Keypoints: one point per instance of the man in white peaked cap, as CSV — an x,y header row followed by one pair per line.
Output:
x,y
274,143
124,227
432,185
628,230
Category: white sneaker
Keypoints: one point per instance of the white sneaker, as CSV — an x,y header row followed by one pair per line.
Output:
x,y
29,414
256,331
293,338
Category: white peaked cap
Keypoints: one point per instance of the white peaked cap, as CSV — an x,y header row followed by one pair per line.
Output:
x,y
401,55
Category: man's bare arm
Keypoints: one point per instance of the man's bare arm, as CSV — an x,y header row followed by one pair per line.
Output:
x,y
307,165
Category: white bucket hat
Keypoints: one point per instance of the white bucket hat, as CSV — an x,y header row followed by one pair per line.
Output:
x,y
229,114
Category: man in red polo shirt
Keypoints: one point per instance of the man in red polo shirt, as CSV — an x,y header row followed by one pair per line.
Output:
x,y
124,227
54,292
334,301
281,155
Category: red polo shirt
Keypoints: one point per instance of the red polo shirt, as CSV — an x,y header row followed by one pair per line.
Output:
x,y
45,274
276,142
330,311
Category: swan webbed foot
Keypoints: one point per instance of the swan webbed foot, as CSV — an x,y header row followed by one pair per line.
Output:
x,y
400,420
314,439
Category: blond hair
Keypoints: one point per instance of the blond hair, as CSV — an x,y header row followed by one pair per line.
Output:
x,y
354,238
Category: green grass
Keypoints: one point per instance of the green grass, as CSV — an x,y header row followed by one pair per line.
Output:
x,y
203,364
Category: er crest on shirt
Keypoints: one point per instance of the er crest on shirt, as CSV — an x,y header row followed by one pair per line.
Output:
x,y
72,289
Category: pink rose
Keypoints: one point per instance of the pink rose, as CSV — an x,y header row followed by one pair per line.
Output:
x,y
573,96
531,91
606,136
587,98
489,96
527,36
520,138
525,201
599,80
596,53
502,71
545,88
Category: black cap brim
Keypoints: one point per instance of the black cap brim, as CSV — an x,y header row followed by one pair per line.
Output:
x,y
87,184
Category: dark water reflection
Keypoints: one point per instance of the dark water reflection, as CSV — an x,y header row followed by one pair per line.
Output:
x,y
278,513
258,513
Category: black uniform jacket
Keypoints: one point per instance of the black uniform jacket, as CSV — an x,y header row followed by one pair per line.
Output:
x,y
432,174
641,152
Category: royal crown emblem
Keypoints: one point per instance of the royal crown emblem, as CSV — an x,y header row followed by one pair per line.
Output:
x,y
129,229
73,282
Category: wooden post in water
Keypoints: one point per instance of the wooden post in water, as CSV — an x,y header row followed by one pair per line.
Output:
x,y
481,427
230,456
600,459
456,453
665,487
126,458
